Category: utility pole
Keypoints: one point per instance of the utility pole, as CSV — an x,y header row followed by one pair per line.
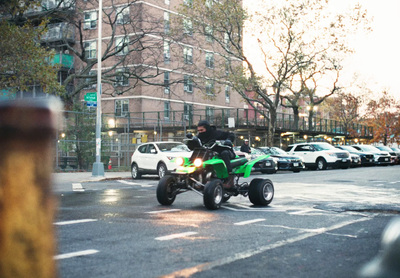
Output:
x,y
98,166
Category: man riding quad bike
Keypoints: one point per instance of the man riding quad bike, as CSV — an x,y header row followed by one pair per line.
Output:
x,y
206,173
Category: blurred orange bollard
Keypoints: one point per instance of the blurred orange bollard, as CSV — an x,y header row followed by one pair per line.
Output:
x,y
27,237
109,164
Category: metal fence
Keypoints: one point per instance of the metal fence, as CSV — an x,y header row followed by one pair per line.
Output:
x,y
75,143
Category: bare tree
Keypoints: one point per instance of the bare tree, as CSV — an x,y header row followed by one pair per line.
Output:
x,y
296,45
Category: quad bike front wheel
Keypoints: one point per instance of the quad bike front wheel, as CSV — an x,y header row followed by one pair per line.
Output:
x,y
261,192
213,194
166,190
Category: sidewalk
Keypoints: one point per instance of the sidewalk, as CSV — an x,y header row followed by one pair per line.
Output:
x,y
64,181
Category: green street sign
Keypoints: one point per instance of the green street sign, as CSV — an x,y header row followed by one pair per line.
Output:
x,y
91,96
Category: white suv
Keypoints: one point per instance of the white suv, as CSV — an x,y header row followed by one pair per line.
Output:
x,y
156,158
320,155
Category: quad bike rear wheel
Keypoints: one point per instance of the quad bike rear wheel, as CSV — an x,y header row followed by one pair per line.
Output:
x,y
213,194
166,190
261,192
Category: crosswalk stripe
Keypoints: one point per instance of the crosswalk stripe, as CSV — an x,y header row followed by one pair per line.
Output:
x,y
76,254
174,236
70,222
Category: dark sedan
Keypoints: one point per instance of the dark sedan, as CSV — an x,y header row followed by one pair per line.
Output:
x,y
285,161
367,159
268,165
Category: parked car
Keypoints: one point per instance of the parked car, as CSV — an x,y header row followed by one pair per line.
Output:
x,y
355,160
265,166
394,159
285,161
397,151
380,157
156,158
367,159
320,155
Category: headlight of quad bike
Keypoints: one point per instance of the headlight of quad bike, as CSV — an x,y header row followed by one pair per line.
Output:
x,y
198,162
179,161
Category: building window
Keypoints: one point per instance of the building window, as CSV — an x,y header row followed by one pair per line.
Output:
x,y
227,66
187,84
209,114
122,46
167,23
209,60
210,88
188,2
167,109
208,31
227,41
90,49
187,112
187,27
122,107
91,81
121,77
122,15
90,20
188,55
166,82
167,54
227,94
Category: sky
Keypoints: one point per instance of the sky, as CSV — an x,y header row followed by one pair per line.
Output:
x,y
376,60
377,56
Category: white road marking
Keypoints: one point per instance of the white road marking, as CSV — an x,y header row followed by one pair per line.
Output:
x,y
74,222
77,187
302,212
249,222
135,183
249,253
174,236
76,254
163,211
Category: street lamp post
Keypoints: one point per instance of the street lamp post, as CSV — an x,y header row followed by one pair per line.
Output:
x,y
98,166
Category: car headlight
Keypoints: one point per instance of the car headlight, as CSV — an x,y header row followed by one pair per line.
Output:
x,y
198,162
179,161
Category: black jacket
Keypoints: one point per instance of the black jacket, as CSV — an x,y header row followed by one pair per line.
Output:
x,y
213,134
245,148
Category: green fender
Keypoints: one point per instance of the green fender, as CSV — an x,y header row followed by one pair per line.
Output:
x,y
245,169
219,166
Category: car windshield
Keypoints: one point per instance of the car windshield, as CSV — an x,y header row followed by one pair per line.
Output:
x,y
256,151
349,148
173,147
384,148
368,148
278,151
323,147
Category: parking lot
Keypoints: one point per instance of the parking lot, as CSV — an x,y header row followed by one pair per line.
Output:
x,y
318,220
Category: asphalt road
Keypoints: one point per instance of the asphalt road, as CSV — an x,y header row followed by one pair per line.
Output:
x,y
320,224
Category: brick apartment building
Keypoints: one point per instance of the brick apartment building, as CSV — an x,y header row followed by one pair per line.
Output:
x,y
174,67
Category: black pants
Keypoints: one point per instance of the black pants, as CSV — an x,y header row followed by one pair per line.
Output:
x,y
226,156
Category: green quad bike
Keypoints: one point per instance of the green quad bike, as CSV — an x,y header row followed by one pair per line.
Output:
x,y
206,174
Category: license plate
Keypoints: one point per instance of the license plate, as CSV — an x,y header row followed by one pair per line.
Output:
x,y
386,159
295,164
344,160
